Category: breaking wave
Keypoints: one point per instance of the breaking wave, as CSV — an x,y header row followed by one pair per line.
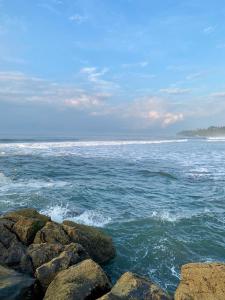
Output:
x,y
59,213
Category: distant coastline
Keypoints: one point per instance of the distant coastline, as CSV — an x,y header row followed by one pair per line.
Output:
x,y
212,131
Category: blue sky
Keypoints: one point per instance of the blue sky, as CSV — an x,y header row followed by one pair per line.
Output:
x,y
124,66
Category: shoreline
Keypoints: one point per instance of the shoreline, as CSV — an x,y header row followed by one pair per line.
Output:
x,y
42,259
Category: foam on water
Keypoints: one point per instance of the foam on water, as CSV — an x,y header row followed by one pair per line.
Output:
x,y
4,180
7,184
44,145
162,201
59,213
216,139
92,218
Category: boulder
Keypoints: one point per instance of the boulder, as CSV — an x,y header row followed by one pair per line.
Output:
x,y
132,286
72,254
26,229
27,213
27,222
43,253
52,233
12,252
83,281
205,281
95,242
15,286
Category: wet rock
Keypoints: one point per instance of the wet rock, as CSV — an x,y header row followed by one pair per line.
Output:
x,y
26,213
95,242
27,222
132,286
72,254
52,233
43,253
15,286
26,229
12,252
85,280
202,281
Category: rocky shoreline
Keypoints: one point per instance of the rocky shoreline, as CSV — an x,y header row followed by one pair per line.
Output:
x,y
42,259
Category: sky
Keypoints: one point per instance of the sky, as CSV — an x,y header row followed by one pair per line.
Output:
x,y
73,67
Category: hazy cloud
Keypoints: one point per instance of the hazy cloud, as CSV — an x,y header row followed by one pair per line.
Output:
x,y
79,19
175,91
209,29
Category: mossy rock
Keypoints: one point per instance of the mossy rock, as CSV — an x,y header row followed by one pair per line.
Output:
x,y
27,213
98,244
85,280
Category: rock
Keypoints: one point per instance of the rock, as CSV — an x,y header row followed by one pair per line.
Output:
x,y
52,233
95,242
132,286
72,254
12,252
15,286
26,213
205,281
26,229
83,281
7,223
27,222
43,253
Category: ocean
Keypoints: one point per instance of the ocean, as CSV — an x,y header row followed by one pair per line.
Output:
x,y
162,201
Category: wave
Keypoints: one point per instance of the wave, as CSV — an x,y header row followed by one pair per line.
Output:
x,y
216,139
44,145
4,180
148,173
59,213
33,184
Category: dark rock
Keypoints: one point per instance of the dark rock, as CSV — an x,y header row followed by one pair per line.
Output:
x,y
131,286
12,251
43,253
15,286
95,242
72,254
52,233
83,281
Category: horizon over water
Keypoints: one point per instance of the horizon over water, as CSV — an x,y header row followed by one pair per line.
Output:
x,y
161,199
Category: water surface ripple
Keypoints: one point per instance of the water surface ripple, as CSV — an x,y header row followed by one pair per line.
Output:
x,y
163,201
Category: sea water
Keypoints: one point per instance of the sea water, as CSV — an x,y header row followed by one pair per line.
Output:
x,y
163,201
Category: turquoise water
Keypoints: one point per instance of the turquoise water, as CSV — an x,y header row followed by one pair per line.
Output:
x,y
163,201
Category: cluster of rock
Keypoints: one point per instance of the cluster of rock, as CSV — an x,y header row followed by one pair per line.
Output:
x,y
41,259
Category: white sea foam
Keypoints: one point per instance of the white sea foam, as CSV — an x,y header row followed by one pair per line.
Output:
x,y
216,139
59,213
174,272
32,184
47,145
4,180
92,218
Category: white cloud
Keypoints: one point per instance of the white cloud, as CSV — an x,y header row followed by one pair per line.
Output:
x,y
86,101
209,29
171,118
218,95
140,113
79,19
195,75
175,91
141,64
96,77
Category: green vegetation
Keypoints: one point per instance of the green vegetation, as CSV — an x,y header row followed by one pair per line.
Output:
x,y
212,131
